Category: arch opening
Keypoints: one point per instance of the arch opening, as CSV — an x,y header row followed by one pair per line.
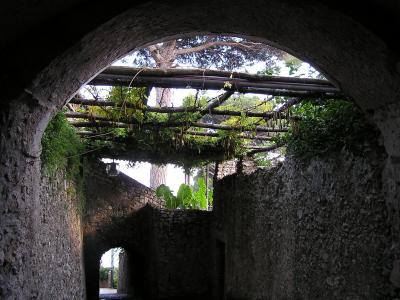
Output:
x,y
367,75
121,274
221,275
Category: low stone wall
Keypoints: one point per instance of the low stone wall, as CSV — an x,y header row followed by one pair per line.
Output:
x,y
306,231
57,257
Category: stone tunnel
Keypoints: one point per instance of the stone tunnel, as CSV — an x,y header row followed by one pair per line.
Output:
x,y
328,229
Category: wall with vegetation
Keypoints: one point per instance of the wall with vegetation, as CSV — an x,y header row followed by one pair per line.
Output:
x,y
57,257
307,230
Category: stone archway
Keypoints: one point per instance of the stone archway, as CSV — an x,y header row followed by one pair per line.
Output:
x,y
351,56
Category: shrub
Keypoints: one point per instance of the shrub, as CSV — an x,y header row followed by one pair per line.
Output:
x,y
329,127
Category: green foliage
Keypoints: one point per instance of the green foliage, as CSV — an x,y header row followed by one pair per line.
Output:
x,y
225,56
115,279
60,146
165,192
191,100
328,127
167,144
187,197
246,103
161,144
293,64
103,273
135,97
261,160
270,71
201,194
61,149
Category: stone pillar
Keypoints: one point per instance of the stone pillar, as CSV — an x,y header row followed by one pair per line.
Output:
x,y
110,278
388,120
123,275
92,255
22,122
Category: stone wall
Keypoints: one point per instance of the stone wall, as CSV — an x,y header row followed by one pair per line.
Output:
x,y
182,254
229,167
307,231
57,257
112,197
167,252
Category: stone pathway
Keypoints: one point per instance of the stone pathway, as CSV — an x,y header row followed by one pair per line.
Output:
x,y
111,294
107,291
115,296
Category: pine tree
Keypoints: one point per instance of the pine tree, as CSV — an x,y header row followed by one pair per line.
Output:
x,y
208,51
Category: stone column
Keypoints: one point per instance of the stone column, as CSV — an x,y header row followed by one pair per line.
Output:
x,y
388,120
22,122
123,275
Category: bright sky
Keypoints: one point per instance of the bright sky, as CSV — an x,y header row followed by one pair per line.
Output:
x,y
106,258
141,173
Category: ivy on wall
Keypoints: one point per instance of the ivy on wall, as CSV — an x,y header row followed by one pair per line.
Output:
x,y
328,127
61,153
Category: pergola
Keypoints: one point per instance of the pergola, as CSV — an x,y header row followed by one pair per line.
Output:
x,y
289,90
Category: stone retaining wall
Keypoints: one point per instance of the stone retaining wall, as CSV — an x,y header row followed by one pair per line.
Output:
x,y
57,257
307,231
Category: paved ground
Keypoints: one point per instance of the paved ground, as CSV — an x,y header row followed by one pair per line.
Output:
x,y
111,294
107,291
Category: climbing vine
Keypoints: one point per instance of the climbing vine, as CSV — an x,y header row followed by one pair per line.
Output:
x,y
61,149
328,127
159,143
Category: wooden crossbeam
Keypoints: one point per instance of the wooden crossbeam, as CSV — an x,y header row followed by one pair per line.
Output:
x,y
98,121
105,136
173,110
264,149
216,80
156,72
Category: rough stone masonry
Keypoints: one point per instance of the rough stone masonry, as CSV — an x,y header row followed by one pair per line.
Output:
x,y
315,230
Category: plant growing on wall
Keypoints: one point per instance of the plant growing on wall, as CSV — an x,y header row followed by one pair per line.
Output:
x,y
61,149
328,127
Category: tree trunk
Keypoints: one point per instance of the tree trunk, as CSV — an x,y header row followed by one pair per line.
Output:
x,y
158,174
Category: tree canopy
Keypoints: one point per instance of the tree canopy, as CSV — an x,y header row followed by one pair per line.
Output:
x,y
207,51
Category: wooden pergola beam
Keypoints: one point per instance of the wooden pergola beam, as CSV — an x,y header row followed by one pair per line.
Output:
x,y
104,136
156,72
104,122
217,80
242,136
269,88
173,110
264,149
